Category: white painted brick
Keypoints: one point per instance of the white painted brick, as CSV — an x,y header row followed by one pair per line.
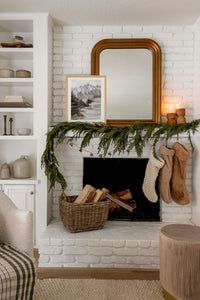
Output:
x,y
144,244
92,29
106,243
125,251
131,244
82,36
174,29
122,35
113,259
100,251
94,243
75,250
58,29
81,242
142,35
155,260
72,29
139,260
56,242
148,251
112,29
62,259
76,265
90,259
183,36
44,242
151,29
101,36
51,250
155,244
68,242
62,36
118,244
44,258
163,35
132,28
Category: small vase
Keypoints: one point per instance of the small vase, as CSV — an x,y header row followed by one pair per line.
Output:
x,y
5,171
22,167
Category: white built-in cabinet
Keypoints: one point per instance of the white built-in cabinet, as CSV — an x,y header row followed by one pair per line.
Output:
x,y
31,193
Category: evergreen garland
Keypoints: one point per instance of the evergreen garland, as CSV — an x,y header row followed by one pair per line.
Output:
x,y
121,139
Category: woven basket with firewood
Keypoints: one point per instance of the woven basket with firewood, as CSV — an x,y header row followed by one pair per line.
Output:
x,y
89,210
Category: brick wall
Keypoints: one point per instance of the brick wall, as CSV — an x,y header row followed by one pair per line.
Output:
x,y
72,50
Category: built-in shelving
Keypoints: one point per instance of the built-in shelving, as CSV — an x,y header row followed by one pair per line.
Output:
x,y
16,109
16,53
17,137
19,181
17,80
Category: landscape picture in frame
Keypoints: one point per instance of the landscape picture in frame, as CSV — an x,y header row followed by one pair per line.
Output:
x,y
86,98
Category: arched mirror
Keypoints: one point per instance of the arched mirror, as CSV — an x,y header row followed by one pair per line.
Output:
x,y
133,71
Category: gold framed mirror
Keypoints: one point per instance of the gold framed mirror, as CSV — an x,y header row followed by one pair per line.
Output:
x,y
133,71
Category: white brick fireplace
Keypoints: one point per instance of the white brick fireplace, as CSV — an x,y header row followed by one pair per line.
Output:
x,y
119,244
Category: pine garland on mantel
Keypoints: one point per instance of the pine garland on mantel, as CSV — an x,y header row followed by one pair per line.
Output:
x,y
120,138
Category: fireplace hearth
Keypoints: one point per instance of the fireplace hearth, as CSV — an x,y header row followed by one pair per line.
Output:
x,y
118,174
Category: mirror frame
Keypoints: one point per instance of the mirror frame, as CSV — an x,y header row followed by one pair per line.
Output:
x,y
156,68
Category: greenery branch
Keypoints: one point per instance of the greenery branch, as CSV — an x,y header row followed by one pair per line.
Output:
x,y
121,139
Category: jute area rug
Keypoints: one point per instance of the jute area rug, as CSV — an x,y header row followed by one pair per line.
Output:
x,y
97,289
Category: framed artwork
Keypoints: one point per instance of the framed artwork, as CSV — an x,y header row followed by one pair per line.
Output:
x,y
86,98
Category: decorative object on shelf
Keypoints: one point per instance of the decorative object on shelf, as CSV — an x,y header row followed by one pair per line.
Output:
x,y
24,131
7,73
171,119
22,167
126,138
5,124
11,126
23,74
18,42
5,171
15,101
180,115
86,98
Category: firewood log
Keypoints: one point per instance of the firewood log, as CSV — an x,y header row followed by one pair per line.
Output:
x,y
97,196
86,195
117,201
124,195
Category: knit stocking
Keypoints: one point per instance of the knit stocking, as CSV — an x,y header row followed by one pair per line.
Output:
x,y
151,174
179,190
166,174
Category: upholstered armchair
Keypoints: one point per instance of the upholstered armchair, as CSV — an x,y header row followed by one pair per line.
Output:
x,y
17,268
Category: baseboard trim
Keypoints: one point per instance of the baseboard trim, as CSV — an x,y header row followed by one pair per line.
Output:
x,y
98,273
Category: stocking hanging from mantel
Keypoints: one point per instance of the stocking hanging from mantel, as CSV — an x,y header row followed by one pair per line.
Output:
x,y
153,167
179,191
166,173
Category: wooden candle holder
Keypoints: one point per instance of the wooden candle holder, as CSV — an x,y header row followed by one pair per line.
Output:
x,y
171,119
180,116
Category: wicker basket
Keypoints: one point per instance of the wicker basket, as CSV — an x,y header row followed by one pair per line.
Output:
x,y
82,217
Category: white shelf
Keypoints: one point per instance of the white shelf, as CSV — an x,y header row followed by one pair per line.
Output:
x,y
16,53
19,181
17,109
23,81
17,137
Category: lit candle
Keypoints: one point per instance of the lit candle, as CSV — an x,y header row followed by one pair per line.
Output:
x,y
171,108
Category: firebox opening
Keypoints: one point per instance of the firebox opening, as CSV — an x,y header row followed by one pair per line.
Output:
x,y
118,174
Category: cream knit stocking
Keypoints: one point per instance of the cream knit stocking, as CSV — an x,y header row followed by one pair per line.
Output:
x,y
153,167
166,174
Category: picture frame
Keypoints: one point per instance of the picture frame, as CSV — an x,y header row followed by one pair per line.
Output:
x,y
86,98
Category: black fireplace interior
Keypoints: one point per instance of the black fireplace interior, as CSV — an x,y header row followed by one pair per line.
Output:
x,y
118,174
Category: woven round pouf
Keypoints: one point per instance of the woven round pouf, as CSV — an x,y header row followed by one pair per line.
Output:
x,y
180,261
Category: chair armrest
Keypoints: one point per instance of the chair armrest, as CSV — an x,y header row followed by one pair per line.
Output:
x,y
16,226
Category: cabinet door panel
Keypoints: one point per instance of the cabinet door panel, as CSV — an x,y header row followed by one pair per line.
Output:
x,y
21,195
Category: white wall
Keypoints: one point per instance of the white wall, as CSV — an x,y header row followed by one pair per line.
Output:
x,y
72,50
